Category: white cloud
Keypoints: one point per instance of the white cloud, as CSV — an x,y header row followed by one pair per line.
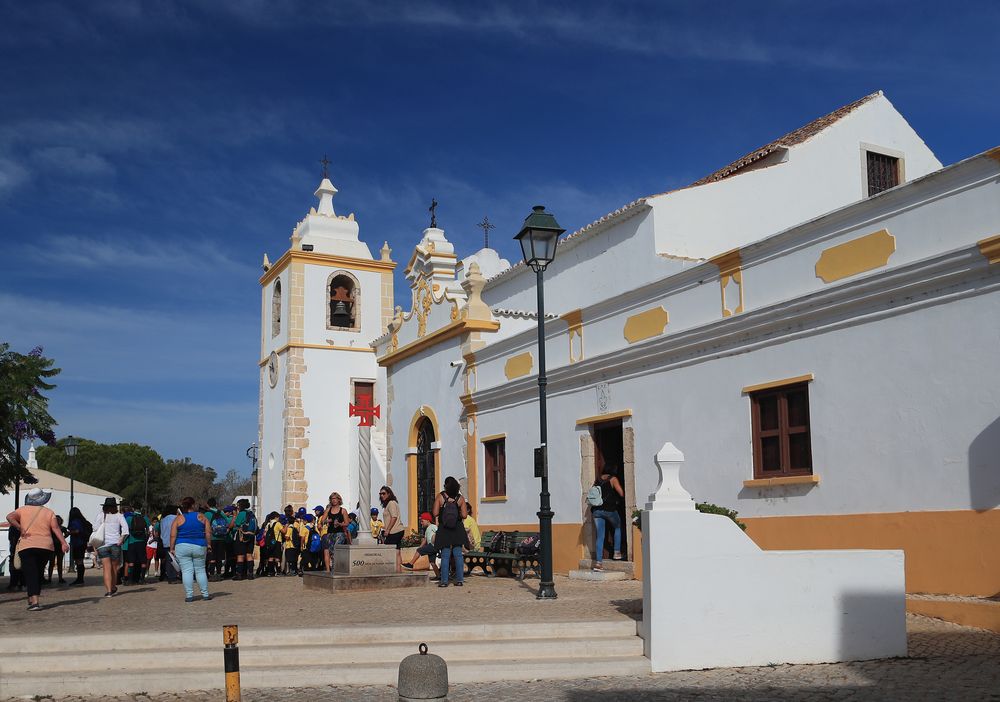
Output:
x,y
12,175
115,345
180,257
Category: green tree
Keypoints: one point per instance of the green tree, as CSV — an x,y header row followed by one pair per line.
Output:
x,y
24,410
190,479
118,468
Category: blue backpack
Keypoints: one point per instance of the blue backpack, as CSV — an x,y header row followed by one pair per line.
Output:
x,y
315,543
220,526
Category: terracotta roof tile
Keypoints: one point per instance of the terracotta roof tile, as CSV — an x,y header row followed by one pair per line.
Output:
x,y
797,137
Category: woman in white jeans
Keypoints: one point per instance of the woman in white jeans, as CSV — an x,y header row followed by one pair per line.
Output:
x,y
189,537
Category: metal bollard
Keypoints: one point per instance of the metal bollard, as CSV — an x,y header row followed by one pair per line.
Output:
x,y
231,638
422,677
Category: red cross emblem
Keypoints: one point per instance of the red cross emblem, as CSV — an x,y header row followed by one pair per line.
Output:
x,y
364,410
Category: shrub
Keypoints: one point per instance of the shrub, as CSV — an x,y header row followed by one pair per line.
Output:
x,y
705,507
709,508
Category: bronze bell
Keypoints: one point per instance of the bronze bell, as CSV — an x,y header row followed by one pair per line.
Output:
x,y
340,317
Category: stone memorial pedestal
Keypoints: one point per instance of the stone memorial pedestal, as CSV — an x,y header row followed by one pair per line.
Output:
x,y
362,567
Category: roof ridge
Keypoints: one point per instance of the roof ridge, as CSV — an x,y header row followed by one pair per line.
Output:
x,y
794,137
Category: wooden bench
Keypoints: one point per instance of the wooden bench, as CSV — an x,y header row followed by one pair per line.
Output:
x,y
490,562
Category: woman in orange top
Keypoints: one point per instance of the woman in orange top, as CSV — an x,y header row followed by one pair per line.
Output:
x,y
39,534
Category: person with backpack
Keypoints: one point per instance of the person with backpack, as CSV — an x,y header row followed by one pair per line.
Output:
x,y
290,536
219,524
449,511
244,529
79,533
189,537
135,547
605,497
270,551
312,544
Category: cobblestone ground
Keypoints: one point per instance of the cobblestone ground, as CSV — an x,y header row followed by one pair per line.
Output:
x,y
946,661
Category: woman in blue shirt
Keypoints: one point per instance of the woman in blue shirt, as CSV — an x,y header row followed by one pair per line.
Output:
x,y
189,537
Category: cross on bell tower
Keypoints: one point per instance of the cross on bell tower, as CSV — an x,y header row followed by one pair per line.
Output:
x,y
486,226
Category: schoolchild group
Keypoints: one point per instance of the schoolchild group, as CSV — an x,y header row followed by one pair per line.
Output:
x,y
201,542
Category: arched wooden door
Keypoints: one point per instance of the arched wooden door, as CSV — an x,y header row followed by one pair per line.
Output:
x,y
426,474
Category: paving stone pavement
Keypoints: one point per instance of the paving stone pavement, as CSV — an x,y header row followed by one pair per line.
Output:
x,y
946,661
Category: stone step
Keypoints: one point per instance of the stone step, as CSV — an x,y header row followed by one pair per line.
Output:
x,y
320,636
151,681
600,576
627,567
346,652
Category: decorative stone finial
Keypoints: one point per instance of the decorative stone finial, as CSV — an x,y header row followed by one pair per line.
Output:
x,y
266,264
325,193
386,252
670,495
473,285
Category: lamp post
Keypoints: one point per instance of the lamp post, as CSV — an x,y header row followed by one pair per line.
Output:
x,y
538,238
70,446
252,453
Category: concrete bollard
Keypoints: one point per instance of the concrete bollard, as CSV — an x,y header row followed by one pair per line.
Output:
x,y
423,676
231,661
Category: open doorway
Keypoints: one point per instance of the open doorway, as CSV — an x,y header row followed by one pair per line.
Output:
x,y
609,450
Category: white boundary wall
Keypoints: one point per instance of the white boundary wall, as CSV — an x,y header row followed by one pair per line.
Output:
x,y
712,598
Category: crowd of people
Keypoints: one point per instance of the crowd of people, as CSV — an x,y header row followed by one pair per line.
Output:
x,y
199,543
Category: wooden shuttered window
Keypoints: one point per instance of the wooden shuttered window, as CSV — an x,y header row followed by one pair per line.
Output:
x,y
781,434
496,468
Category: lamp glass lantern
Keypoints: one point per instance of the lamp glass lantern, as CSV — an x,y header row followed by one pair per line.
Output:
x,y
70,445
538,238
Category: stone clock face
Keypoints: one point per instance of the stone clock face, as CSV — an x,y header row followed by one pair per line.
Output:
x,y
272,369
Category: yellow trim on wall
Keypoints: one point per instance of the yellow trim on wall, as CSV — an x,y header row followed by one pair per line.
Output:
x,y
950,552
646,324
450,331
574,320
610,416
321,259
788,480
990,248
807,378
730,266
411,463
495,498
859,255
492,437
518,366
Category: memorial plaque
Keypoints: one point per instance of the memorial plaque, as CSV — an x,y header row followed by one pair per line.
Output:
x,y
364,560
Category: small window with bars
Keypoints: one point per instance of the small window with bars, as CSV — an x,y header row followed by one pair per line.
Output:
x,y
781,444
883,172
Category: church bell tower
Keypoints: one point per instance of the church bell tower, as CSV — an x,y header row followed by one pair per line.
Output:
x,y
322,303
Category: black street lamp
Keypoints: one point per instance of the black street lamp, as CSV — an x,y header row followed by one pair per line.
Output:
x,y
252,453
538,238
70,446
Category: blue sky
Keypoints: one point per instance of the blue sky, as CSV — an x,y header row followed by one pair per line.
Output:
x,y
150,153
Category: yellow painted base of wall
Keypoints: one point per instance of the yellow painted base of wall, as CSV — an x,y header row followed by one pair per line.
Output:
x,y
980,615
951,552
567,543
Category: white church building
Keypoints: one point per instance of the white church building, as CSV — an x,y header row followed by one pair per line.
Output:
x,y
816,326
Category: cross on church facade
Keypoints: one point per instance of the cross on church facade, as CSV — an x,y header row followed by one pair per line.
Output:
x,y
326,164
365,410
486,226
432,209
